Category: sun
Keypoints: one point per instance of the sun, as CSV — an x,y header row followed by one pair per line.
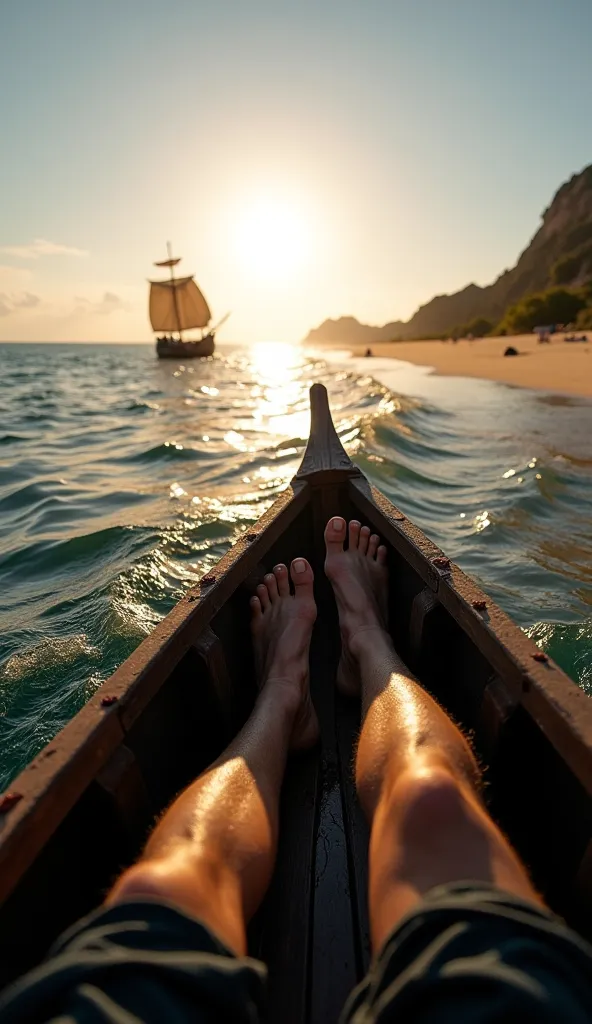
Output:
x,y
272,237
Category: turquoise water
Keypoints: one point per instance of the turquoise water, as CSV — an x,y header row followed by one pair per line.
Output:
x,y
122,480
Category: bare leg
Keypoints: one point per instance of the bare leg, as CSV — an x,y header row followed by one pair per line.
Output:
x,y
416,776
213,852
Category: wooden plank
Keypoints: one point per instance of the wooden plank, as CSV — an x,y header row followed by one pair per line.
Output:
x,y
583,879
122,781
334,962
285,920
356,829
74,870
287,916
497,707
210,649
51,785
542,806
422,606
334,969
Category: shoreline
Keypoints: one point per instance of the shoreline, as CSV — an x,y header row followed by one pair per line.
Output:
x,y
561,367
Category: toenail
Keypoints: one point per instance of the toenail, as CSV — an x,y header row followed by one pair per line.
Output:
x,y
278,568
300,564
338,525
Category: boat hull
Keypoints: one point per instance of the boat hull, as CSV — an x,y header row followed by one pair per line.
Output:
x,y
170,348
82,809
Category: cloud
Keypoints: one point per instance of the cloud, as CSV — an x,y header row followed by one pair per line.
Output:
x,y
10,303
110,303
27,301
41,247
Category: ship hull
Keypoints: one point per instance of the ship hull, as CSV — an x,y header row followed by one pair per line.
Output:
x,y
170,348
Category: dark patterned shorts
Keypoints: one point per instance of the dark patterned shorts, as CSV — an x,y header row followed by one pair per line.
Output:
x,y
469,953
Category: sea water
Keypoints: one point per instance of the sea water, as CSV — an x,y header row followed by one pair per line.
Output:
x,y
124,479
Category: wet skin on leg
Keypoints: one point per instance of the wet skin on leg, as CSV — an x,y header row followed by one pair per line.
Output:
x,y
213,852
416,777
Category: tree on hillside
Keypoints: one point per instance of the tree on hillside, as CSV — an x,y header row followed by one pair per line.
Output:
x,y
476,328
567,269
555,306
584,321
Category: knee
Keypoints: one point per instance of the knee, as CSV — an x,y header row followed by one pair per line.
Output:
x,y
201,891
145,880
168,877
432,800
177,877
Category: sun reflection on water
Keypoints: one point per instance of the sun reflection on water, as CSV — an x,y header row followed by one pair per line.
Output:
x,y
280,393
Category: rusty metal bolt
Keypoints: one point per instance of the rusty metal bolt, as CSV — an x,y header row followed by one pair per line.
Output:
x,y
106,702
8,801
208,579
441,563
251,537
540,656
480,606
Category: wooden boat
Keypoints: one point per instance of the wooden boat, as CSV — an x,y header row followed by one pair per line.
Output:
x,y
174,348
177,304
82,808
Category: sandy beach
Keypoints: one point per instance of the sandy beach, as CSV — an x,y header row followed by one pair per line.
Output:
x,y
559,366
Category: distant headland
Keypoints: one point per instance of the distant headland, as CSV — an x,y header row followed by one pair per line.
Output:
x,y
551,282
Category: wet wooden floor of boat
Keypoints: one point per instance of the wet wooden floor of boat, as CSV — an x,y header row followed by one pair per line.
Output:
x,y
313,928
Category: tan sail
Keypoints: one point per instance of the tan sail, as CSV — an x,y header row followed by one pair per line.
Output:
x,y
177,305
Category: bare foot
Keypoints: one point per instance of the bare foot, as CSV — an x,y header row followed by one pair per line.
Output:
x,y
282,627
360,580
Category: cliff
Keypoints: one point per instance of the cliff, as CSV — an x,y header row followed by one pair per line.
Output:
x,y
560,253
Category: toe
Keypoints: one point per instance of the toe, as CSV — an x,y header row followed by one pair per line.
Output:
x,y
335,535
363,541
271,584
354,534
263,595
256,610
381,555
373,545
283,583
302,577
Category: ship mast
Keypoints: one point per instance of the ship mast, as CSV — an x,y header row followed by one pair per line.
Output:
x,y
174,287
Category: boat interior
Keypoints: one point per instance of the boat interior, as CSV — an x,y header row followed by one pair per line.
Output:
x,y
90,798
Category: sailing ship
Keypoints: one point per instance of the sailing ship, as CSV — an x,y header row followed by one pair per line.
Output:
x,y
177,305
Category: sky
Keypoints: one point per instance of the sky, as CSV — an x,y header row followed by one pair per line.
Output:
x,y
307,160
